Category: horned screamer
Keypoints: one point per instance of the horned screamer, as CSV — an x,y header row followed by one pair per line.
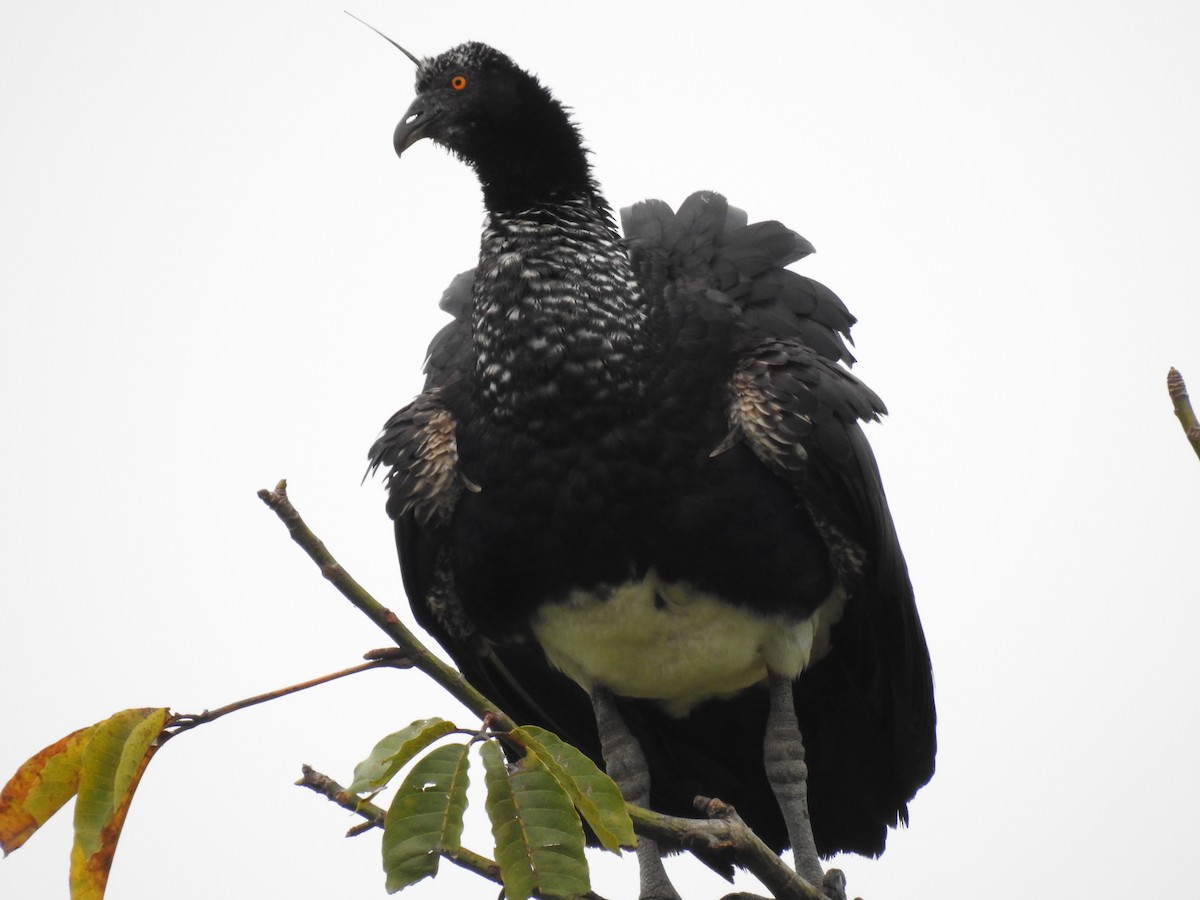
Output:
x,y
635,503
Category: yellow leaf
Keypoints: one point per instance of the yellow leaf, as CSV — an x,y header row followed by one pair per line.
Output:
x,y
117,754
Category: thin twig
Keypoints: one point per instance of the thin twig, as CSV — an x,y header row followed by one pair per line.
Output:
x,y
186,721
331,790
1183,408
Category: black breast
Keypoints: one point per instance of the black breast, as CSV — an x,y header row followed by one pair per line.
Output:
x,y
593,507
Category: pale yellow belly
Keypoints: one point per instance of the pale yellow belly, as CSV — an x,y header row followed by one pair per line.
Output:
x,y
683,649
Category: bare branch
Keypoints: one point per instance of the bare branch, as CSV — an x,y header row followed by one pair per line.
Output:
x,y
1183,408
724,832
331,790
422,659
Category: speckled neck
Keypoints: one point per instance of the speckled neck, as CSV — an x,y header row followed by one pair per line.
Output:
x,y
560,324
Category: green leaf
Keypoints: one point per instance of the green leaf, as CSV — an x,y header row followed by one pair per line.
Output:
x,y
393,753
40,787
539,839
594,794
426,816
113,761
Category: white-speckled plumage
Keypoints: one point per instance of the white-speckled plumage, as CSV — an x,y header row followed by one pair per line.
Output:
x,y
555,304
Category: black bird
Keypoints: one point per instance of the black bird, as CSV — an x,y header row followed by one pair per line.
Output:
x,y
635,490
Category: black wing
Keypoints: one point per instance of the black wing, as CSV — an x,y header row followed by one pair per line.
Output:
x,y
450,350
866,710
707,248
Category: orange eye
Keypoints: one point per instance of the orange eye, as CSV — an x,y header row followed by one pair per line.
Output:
x,y
458,82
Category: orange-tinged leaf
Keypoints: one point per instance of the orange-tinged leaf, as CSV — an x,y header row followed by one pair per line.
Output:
x,y
40,788
113,762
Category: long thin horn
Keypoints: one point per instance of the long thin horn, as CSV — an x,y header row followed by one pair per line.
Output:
x,y
416,62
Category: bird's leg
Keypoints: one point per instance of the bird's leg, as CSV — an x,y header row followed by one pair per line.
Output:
x,y
626,765
783,753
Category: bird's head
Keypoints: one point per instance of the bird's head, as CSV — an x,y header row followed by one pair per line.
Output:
x,y
477,103
464,96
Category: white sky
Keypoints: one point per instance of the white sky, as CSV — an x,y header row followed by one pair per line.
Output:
x,y
215,273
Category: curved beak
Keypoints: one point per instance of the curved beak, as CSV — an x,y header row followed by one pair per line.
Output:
x,y
414,125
